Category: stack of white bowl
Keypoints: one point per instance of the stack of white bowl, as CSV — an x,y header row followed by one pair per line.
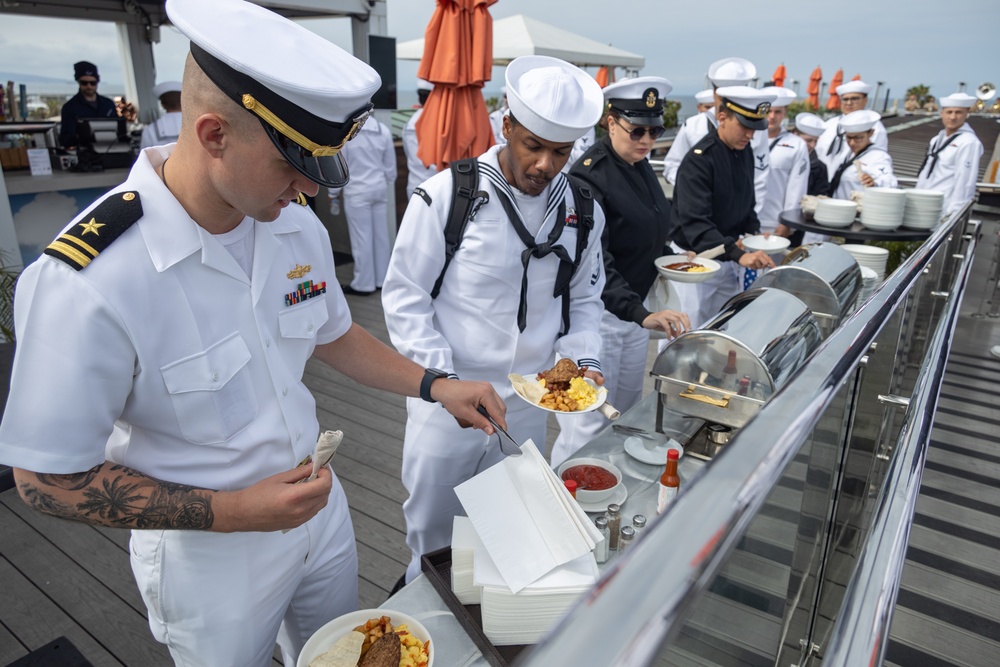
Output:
x,y
869,256
869,281
923,208
835,212
883,208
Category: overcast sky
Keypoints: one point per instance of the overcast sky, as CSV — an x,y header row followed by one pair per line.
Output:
x,y
899,42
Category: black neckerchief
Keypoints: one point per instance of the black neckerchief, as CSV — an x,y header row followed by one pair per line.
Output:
x,y
835,183
932,154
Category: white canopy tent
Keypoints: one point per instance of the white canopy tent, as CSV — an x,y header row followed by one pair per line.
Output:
x,y
521,35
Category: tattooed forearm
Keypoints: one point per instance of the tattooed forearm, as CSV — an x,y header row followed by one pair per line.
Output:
x,y
117,496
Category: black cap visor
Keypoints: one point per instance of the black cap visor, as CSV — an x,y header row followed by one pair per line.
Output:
x,y
752,123
329,171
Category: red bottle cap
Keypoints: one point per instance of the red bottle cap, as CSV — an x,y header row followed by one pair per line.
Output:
x,y
571,486
673,455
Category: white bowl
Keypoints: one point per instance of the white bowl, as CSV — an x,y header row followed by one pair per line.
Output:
x,y
327,636
684,276
589,497
836,222
844,204
770,244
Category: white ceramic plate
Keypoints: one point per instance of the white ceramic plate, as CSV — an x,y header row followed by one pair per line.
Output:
x,y
636,448
602,395
686,276
327,636
617,498
770,244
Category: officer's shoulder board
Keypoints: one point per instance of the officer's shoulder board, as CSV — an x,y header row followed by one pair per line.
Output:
x,y
79,245
301,200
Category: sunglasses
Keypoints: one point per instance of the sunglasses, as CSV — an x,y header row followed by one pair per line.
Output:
x,y
85,82
638,133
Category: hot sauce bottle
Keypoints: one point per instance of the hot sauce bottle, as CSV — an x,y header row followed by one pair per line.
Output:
x,y
670,482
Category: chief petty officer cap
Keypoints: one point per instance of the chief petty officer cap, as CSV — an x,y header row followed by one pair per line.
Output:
x,y
706,96
166,87
854,87
809,123
310,95
553,99
731,72
782,96
750,105
957,100
639,100
859,121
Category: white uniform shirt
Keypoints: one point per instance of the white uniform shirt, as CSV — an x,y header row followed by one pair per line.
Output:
x,y
371,160
957,168
580,146
471,327
417,172
164,130
788,180
841,151
496,122
876,163
695,129
164,356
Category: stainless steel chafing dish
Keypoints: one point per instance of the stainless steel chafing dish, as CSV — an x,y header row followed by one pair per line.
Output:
x,y
767,333
824,276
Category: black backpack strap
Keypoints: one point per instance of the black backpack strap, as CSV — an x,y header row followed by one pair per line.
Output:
x,y
583,201
465,200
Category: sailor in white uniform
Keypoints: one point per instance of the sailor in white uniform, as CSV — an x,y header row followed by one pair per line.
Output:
x,y
867,165
496,118
831,147
417,172
789,176
165,129
952,161
500,308
725,72
705,100
371,158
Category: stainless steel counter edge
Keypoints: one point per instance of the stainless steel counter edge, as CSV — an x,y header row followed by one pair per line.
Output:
x,y
686,545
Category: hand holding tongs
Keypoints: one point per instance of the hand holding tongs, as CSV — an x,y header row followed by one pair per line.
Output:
x,y
509,446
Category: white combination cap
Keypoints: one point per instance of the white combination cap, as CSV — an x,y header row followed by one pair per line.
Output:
x,y
782,96
859,121
854,87
731,72
310,95
809,123
423,84
749,104
553,99
638,100
957,100
706,96
166,87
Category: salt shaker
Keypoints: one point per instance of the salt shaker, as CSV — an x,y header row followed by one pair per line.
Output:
x,y
625,539
601,550
614,524
638,523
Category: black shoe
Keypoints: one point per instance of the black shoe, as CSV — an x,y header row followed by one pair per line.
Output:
x,y
347,289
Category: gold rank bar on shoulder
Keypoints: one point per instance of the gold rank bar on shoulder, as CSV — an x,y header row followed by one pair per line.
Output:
x,y
79,245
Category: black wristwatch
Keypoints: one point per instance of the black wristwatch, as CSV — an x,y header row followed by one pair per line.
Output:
x,y
430,375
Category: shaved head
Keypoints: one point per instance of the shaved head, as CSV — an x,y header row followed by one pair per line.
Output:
x,y
202,96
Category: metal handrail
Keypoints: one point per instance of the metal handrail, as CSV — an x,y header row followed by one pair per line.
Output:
x,y
982,186
686,546
862,627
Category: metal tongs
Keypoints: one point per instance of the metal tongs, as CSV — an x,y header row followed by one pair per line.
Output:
x,y
509,445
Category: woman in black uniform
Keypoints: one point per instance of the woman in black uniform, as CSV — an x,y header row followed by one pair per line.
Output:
x,y
636,233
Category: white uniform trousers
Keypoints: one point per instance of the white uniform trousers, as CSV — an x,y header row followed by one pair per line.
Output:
x,y
218,599
368,227
438,455
624,347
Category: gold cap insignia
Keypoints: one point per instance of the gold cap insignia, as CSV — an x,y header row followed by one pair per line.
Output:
x,y
586,163
91,227
650,98
299,271
128,196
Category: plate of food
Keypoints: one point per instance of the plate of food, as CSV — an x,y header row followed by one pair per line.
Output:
x,y
369,638
561,389
768,244
684,270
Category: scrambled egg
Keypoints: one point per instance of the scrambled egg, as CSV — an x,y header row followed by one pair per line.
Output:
x,y
699,269
415,652
582,393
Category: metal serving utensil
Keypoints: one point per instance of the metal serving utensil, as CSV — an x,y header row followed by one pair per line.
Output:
x,y
509,445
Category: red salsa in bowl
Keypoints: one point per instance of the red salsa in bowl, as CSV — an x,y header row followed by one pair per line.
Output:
x,y
590,477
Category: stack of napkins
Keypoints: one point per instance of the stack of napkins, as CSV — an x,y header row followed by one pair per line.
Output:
x,y
464,543
528,522
526,616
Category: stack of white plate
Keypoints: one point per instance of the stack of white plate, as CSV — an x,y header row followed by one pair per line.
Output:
x,y
923,208
835,212
883,208
869,281
872,257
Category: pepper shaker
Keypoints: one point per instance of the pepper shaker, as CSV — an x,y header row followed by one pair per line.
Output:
x,y
625,539
614,524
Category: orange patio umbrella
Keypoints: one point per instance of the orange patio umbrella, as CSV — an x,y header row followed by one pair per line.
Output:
x,y
458,60
833,102
779,75
604,76
814,83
